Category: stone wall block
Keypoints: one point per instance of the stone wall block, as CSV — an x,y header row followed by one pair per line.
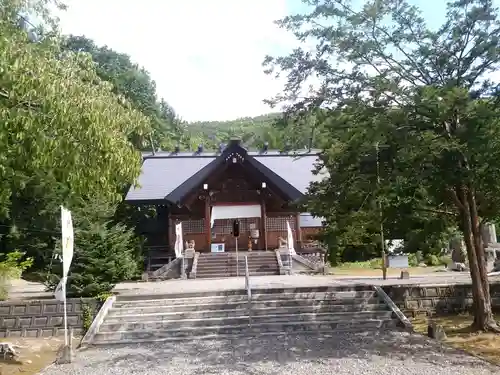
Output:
x,y
41,318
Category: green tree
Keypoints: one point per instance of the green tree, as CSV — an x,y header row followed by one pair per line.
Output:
x,y
65,139
136,85
429,89
352,197
105,252
58,116
11,267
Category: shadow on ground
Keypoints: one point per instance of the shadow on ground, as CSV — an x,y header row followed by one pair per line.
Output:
x,y
239,354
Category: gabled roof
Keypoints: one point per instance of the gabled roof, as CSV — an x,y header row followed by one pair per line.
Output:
x,y
166,175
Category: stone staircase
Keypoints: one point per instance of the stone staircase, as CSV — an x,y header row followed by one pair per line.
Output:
x,y
229,314
216,265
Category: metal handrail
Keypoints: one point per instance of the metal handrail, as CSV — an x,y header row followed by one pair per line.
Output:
x,y
249,291
247,280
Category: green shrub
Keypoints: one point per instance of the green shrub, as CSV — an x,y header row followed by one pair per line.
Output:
x,y
413,260
11,268
432,260
102,297
376,263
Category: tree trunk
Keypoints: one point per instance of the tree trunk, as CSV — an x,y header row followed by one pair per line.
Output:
x,y
483,315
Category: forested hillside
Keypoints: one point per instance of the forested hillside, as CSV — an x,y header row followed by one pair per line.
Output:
x,y
253,131
279,132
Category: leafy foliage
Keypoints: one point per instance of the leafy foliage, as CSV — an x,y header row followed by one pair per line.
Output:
x,y
136,85
426,95
54,109
11,267
65,139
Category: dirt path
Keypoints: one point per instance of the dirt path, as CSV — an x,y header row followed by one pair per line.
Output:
x,y
35,355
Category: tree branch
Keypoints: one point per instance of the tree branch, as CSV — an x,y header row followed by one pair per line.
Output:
x,y
456,200
435,211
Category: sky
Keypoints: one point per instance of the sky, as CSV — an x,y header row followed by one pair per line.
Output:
x,y
205,55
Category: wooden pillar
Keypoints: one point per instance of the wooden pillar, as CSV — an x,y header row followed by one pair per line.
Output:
x,y
169,230
298,232
170,235
263,219
208,227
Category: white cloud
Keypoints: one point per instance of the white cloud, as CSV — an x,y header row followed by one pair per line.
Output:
x,y
205,56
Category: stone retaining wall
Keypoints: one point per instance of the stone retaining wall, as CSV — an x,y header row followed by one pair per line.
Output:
x,y
443,299
44,318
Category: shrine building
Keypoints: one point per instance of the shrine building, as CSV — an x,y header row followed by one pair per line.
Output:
x,y
207,191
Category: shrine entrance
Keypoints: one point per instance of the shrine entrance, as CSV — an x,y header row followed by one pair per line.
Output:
x,y
222,217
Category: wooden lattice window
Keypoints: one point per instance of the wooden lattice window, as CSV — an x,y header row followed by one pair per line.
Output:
x,y
278,224
222,226
225,226
193,226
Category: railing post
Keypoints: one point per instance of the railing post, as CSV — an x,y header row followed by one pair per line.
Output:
x,y
249,291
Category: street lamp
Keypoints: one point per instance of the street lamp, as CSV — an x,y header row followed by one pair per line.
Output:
x,y
381,217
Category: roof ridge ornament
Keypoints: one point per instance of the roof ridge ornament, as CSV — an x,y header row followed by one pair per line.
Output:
x,y
235,157
234,142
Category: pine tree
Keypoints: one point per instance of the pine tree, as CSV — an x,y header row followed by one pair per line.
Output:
x,y
105,252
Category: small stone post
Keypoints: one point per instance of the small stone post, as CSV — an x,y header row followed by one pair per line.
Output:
x,y
183,267
489,234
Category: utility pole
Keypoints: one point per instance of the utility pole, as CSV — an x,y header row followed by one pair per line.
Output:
x,y
381,217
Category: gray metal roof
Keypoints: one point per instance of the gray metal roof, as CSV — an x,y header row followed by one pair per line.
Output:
x,y
164,171
160,176
296,170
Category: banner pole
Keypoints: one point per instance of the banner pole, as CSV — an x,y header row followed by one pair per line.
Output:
x,y
65,314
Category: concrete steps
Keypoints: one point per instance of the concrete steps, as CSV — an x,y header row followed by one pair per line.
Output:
x,y
242,330
215,265
218,273
232,320
159,315
230,314
258,297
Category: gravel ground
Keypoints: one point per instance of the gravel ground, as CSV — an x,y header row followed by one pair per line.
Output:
x,y
361,354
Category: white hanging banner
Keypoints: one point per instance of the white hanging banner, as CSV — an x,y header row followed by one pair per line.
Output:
x,y
60,292
213,216
179,245
67,244
289,239
241,211
67,240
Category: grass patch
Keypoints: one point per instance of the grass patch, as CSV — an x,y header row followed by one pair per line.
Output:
x,y
339,271
485,345
417,265
369,264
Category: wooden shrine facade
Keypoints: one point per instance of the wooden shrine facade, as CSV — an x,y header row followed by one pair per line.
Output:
x,y
207,192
